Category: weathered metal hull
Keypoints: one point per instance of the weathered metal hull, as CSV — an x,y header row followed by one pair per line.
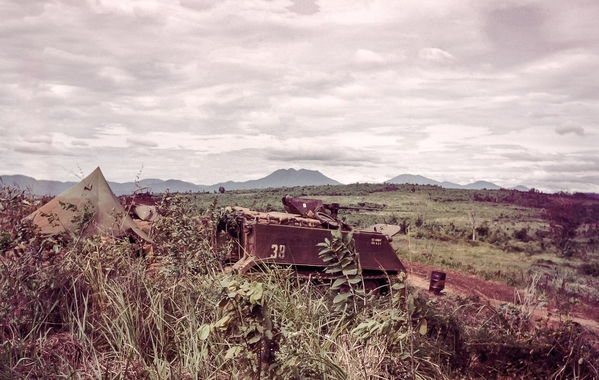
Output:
x,y
298,246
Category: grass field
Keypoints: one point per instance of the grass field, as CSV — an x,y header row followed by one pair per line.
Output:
x,y
513,234
103,309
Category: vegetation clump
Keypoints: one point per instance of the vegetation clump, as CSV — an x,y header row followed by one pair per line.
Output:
x,y
109,308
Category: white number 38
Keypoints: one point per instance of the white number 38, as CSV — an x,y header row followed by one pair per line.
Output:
x,y
278,251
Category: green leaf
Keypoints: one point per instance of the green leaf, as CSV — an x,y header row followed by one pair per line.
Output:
x,y
347,261
333,268
326,251
223,323
268,334
423,327
350,270
411,307
385,328
204,332
348,238
364,325
254,339
233,351
355,280
341,297
338,282
258,291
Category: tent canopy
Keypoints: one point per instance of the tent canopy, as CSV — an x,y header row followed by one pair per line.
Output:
x,y
93,200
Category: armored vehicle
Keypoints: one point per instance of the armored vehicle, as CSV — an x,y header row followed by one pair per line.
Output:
x,y
141,204
291,238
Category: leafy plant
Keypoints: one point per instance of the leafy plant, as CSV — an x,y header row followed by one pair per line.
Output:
x,y
184,236
343,264
82,220
399,328
247,327
565,218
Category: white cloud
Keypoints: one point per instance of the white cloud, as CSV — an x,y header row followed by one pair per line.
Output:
x,y
436,55
455,88
368,56
569,128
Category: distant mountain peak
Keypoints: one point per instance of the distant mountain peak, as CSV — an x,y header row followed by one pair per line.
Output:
x,y
283,178
420,180
413,179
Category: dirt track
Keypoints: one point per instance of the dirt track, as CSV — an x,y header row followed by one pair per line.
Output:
x,y
496,293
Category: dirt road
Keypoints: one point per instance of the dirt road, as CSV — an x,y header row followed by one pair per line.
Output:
x,y
496,293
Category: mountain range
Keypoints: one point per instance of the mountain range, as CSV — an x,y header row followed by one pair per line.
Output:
x,y
279,178
420,180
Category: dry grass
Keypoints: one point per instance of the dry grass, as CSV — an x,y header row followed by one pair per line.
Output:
x,y
92,309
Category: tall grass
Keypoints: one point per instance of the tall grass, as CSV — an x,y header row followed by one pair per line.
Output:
x,y
104,309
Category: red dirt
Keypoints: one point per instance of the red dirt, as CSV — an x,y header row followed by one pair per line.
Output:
x,y
459,283
496,293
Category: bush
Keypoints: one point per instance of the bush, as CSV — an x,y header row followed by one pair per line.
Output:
x,y
589,269
521,235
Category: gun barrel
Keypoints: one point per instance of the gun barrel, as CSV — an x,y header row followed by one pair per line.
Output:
x,y
337,206
359,208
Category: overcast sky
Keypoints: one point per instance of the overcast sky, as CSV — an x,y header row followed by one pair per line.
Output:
x,y
209,91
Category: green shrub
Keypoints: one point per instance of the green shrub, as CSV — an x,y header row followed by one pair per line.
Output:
x,y
589,269
522,235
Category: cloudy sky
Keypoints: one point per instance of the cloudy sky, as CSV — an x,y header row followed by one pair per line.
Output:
x,y
361,90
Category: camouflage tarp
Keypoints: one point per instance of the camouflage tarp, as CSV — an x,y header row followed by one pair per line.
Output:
x,y
91,198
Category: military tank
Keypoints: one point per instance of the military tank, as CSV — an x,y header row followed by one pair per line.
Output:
x,y
291,238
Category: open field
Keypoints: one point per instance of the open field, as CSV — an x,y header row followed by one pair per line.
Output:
x,y
513,234
112,309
